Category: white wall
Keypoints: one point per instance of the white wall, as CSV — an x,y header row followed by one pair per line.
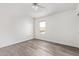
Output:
x,y
15,25
61,28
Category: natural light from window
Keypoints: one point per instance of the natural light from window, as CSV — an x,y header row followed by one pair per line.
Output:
x,y
42,27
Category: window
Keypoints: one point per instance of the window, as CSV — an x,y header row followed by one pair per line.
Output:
x,y
42,27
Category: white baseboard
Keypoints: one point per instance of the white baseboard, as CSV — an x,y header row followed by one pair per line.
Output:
x,y
8,43
63,43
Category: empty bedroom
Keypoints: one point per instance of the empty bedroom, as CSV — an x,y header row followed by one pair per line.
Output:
x,y
39,29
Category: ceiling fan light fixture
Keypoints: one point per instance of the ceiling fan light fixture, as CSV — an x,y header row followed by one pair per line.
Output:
x,y
35,6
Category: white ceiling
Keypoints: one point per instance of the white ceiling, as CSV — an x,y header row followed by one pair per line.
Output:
x,y
23,9
52,8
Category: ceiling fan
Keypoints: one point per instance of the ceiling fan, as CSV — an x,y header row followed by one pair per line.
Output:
x,y
37,5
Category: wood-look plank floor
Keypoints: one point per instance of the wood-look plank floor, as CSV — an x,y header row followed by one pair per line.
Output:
x,y
36,47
